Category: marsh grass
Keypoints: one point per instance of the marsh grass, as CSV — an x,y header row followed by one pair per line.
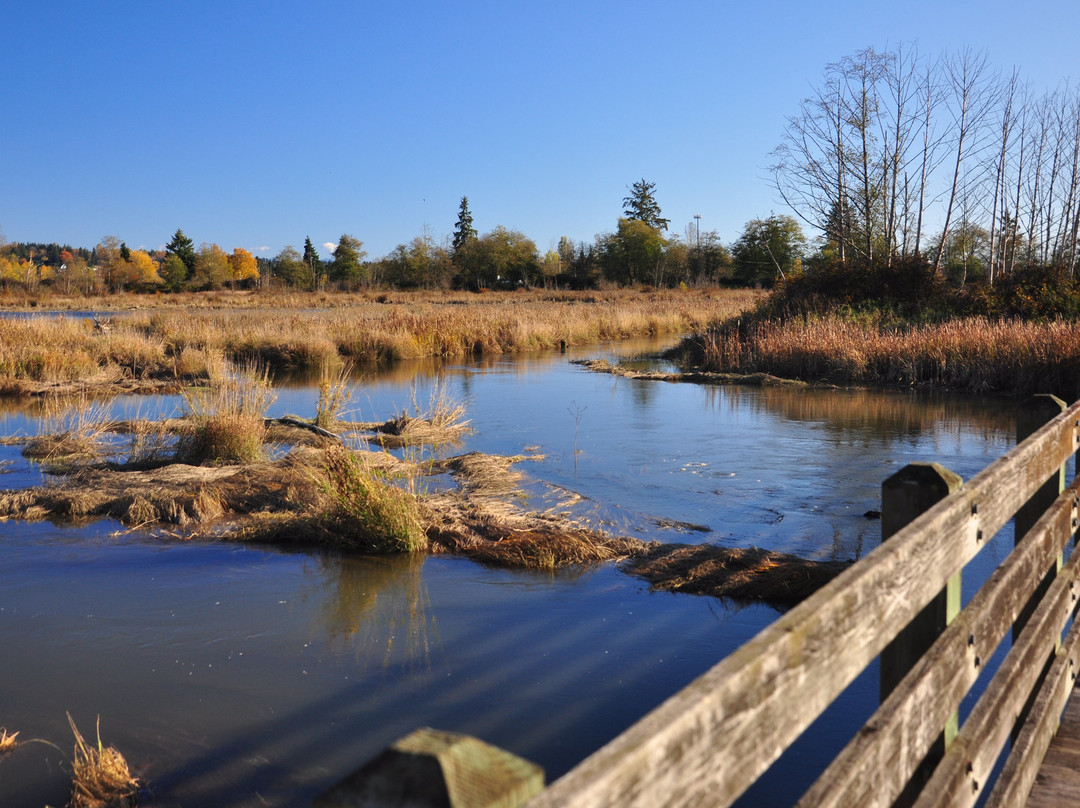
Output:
x,y
72,431
335,391
369,512
975,354
226,421
102,778
168,341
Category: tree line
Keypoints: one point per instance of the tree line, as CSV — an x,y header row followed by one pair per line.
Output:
x,y
639,251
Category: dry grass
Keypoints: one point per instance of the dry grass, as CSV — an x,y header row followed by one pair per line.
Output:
x,y
71,431
7,741
226,421
976,355
335,391
102,778
369,512
177,338
441,420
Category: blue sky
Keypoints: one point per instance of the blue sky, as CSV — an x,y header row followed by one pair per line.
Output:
x,y
255,124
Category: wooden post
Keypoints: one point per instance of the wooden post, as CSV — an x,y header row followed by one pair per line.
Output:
x,y
905,495
432,769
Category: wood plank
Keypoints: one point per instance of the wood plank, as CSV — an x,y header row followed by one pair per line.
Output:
x,y
962,775
706,744
875,767
1030,755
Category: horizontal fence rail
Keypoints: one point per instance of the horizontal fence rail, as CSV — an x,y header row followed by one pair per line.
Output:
x,y
709,742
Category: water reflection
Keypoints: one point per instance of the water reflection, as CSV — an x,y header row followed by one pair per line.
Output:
x,y
379,606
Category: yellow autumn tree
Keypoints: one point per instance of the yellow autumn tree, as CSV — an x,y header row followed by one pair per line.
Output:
x,y
243,265
144,269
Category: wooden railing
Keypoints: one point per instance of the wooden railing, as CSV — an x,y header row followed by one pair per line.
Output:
x,y
709,742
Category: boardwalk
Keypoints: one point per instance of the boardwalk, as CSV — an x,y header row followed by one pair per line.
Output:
x,y
1058,781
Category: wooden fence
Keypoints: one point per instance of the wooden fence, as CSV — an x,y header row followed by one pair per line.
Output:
x,y
709,742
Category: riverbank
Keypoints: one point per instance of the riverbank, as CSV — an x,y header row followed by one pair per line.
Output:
x,y
158,344
974,355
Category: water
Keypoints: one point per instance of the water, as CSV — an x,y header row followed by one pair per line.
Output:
x,y
250,676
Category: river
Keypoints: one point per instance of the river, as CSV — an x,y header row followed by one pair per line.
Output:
x,y
250,676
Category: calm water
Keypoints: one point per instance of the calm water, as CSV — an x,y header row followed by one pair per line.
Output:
x,y
251,676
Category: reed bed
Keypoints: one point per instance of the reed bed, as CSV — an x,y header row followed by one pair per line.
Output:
x,y
180,344
975,355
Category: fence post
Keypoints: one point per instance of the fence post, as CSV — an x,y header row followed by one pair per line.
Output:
x,y
905,495
433,769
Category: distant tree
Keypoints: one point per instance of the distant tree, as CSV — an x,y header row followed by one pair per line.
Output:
x,y
144,270
184,249
632,254
347,268
289,267
768,248
464,232
174,272
244,268
313,263
500,258
212,269
641,205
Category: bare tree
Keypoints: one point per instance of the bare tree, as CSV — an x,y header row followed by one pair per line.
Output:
x,y
968,77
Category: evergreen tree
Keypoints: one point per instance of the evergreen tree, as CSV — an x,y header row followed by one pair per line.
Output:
x,y
641,206
464,232
312,261
184,249
347,267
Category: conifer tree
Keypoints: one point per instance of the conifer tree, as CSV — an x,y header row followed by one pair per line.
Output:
x,y
464,232
312,261
184,249
641,206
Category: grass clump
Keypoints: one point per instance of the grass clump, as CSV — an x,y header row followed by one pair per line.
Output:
x,y
7,741
368,511
335,391
226,421
102,778
71,431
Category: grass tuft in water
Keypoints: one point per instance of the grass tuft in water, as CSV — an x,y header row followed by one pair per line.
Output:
x,y
102,778
335,391
226,421
369,512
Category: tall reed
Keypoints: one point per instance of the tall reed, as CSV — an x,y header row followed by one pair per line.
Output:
x,y
226,421
975,354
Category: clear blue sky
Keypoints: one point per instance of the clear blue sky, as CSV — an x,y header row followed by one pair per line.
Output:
x,y
255,124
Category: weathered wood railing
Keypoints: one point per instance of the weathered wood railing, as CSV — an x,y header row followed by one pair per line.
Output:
x,y
709,742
